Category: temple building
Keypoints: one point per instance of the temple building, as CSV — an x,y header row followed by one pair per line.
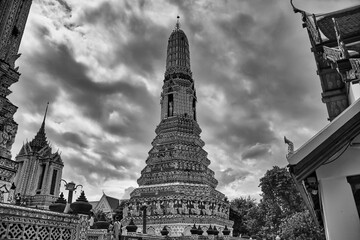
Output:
x,y
176,187
36,172
326,168
13,16
107,205
39,171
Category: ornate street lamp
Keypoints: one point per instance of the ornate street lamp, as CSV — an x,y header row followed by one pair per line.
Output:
x,y
71,187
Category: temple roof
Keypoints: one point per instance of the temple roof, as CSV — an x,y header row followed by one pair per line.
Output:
x,y
348,20
113,202
335,137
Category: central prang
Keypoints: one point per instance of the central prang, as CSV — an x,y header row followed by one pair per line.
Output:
x,y
177,185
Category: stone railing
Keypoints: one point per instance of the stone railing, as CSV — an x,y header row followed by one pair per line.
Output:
x,y
17,222
28,223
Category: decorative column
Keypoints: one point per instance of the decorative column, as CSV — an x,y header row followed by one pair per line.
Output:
x,y
143,208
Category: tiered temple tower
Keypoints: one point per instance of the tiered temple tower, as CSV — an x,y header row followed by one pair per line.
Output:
x,y
13,16
177,188
39,172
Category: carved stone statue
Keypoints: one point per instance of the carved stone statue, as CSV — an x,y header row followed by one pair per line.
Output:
x,y
148,209
158,209
207,210
7,136
184,209
171,209
125,211
215,210
196,209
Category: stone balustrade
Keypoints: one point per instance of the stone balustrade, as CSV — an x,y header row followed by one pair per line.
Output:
x,y
18,222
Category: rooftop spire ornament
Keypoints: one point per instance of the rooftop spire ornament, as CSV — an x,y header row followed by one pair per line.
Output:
x,y
177,23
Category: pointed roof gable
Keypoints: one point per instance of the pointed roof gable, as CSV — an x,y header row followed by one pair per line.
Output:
x,y
108,202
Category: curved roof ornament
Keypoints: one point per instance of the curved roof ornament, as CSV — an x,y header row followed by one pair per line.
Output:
x,y
295,9
290,147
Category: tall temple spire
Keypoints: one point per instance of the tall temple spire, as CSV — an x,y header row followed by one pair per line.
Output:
x,y
177,186
40,139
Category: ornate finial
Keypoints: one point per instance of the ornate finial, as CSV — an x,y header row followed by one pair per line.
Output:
x,y
178,23
47,105
296,10
290,147
42,128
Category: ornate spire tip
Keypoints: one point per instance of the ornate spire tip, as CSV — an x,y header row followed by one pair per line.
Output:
x,y
178,23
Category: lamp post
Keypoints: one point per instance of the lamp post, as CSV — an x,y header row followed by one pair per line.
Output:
x,y
71,187
143,208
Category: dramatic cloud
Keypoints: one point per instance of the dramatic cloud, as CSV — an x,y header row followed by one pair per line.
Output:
x,y
101,66
230,175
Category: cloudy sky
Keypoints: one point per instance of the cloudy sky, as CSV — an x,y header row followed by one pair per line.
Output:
x,y
101,64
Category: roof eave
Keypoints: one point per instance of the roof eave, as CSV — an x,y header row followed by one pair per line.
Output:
x,y
330,140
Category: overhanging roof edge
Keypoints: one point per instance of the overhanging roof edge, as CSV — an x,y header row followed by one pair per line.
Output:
x,y
326,142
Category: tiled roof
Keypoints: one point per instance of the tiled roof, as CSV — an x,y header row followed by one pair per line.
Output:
x,y
113,202
348,20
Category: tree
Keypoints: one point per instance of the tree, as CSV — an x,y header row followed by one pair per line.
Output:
x,y
280,211
278,187
239,208
300,226
280,198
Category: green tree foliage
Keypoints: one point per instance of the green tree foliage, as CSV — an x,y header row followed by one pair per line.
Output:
x,y
280,199
279,188
300,226
280,211
239,208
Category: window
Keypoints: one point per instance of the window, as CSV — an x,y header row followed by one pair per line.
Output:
x,y
194,108
355,186
53,182
41,178
170,105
